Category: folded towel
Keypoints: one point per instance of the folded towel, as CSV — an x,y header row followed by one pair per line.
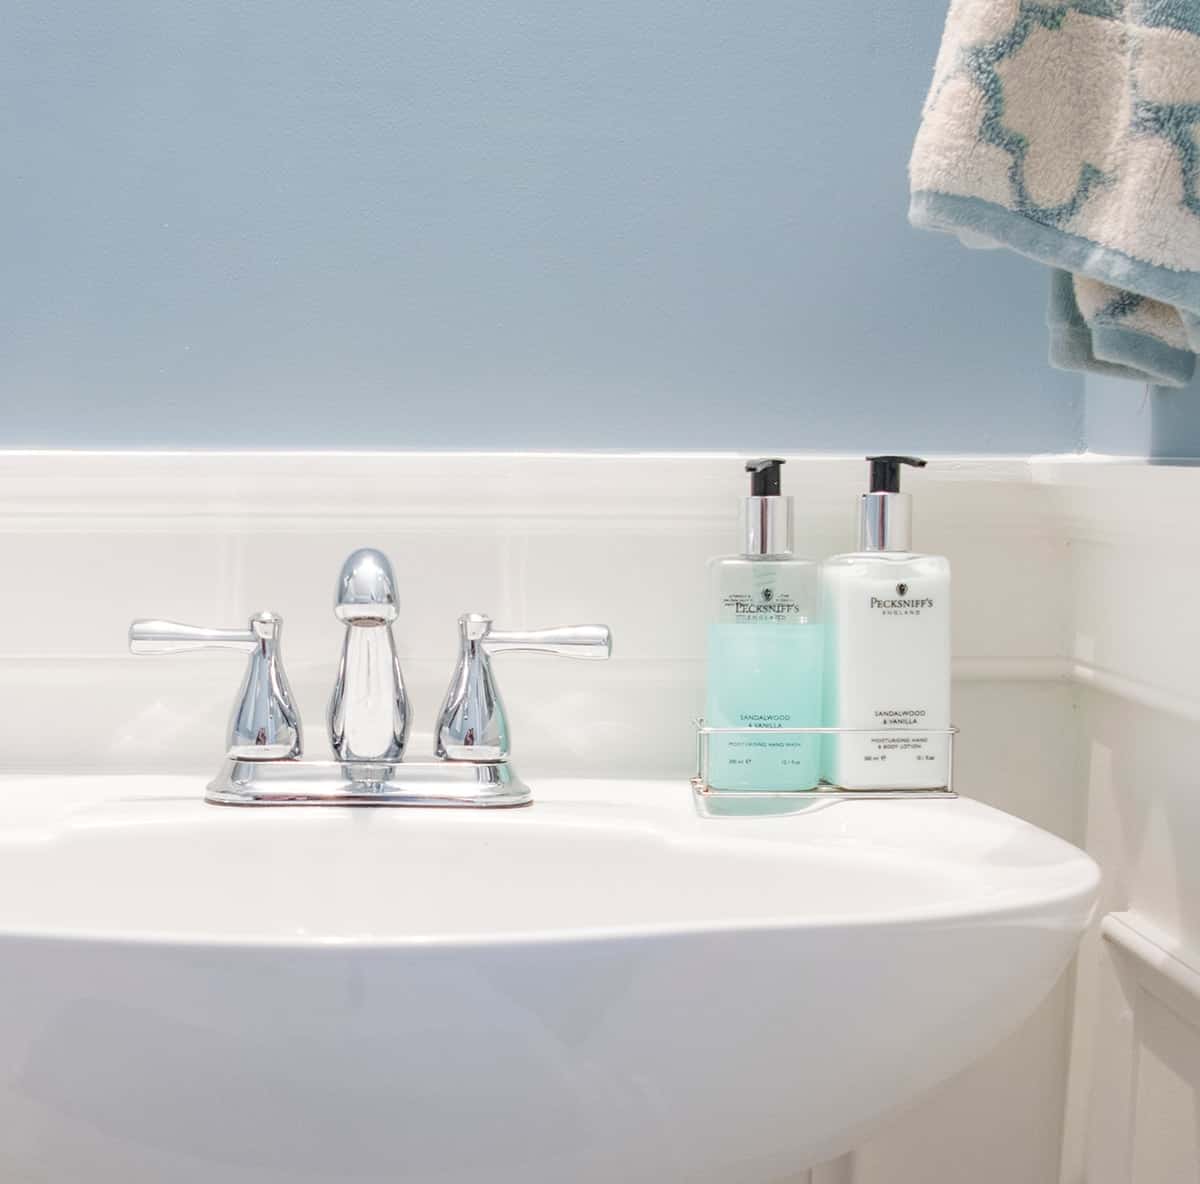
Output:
x,y
1070,131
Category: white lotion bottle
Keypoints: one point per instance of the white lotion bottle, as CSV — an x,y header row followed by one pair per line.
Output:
x,y
886,610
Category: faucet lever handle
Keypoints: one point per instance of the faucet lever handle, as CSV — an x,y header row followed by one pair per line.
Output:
x,y
265,724
589,642
473,725
171,637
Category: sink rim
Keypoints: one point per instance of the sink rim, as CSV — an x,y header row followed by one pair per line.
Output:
x,y
1066,889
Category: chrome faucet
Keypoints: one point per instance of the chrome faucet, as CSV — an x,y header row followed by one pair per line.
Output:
x,y
369,714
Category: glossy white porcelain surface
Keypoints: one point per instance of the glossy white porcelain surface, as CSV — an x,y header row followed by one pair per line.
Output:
x,y
605,986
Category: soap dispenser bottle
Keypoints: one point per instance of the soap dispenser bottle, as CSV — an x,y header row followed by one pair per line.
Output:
x,y
887,625
765,649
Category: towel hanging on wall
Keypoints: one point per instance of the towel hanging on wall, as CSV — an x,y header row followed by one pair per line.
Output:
x,y
1070,132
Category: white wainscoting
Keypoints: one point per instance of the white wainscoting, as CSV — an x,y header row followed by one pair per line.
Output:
x,y
1133,1110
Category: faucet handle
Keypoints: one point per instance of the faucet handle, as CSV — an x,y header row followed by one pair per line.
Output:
x,y
265,724
472,725
171,637
589,642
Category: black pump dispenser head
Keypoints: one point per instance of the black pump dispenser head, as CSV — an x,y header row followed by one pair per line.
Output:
x,y
885,514
764,476
885,471
766,513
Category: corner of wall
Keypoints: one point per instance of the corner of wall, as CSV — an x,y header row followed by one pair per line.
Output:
x,y
1122,418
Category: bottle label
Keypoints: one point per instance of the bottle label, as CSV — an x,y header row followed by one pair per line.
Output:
x,y
765,605
902,604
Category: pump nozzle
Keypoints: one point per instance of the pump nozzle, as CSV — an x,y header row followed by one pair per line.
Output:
x,y
885,471
766,514
885,514
764,476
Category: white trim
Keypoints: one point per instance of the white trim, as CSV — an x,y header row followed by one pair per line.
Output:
x,y
632,489
1133,691
1170,974
1082,674
1010,460
1028,669
1116,501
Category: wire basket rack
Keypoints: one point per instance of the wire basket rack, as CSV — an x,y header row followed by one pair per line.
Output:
x,y
882,743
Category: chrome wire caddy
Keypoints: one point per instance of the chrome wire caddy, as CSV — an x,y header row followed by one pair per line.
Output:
x,y
369,716
886,742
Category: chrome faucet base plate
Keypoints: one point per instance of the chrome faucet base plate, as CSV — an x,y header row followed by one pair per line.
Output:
x,y
479,785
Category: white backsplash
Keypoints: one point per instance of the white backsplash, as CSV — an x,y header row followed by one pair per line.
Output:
x,y
94,540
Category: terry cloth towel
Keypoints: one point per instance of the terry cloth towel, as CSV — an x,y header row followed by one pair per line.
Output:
x,y
1070,132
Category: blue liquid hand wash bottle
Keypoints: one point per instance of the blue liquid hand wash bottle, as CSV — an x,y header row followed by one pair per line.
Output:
x,y
765,649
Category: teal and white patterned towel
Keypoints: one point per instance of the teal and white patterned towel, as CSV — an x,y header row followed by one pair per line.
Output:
x,y
1070,131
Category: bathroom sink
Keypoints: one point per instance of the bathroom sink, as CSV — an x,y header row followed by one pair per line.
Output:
x,y
603,986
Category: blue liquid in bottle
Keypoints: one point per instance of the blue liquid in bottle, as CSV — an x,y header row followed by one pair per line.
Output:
x,y
764,676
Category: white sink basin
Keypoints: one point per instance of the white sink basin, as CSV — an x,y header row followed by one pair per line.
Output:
x,y
602,987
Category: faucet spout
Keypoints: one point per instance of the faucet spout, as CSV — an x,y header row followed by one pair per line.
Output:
x,y
369,714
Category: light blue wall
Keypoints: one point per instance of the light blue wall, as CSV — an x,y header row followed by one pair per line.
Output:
x,y
538,224
1129,419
